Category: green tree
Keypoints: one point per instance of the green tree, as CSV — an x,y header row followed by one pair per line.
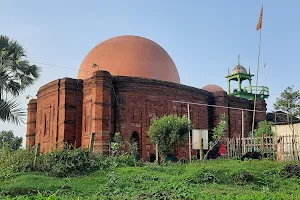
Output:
x,y
16,74
289,102
264,128
168,131
218,132
8,138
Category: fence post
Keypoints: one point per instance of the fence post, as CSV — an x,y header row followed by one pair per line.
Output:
x,y
244,145
156,152
91,145
262,142
243,134
201,147
228,148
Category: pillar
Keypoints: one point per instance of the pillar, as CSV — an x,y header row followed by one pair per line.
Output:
x,y
31,123
239,84
229,86
250,84
101,110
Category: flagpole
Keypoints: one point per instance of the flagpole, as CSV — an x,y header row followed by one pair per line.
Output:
x,y
266,74
253,120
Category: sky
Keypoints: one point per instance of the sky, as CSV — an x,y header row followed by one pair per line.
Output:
x,y
204,38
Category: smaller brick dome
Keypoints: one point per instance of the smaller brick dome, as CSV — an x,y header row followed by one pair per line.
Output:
x,y
213,88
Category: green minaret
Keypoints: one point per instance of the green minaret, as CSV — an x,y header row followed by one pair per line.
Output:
x,y
239,74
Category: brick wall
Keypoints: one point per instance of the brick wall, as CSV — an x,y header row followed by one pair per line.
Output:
x,y
68,110
59,114
140,100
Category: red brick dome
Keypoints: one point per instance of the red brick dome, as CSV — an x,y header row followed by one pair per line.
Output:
x,y
130,56
212,88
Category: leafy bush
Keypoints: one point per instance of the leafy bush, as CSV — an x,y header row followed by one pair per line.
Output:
x,y
117,146
264,128
292,170
65,163
61,163
126,160
15,161
204,177
69,163
168,131
242,177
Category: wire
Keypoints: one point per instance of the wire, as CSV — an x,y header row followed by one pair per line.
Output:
x,y
58,66
63,67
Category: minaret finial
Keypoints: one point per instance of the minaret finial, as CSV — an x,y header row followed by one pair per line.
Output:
x,y
239,59
249,70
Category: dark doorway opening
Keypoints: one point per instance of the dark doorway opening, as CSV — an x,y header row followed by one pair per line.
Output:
x,y
136,139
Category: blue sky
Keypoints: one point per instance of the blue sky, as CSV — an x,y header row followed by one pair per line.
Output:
x,y
204,38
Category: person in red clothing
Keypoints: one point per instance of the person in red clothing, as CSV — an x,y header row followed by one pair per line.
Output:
x,y
222,150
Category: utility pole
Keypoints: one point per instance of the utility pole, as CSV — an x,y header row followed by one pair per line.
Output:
x,y
189,118
243,133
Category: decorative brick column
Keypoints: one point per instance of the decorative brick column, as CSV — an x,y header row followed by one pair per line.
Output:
x,y
101,110
70,111
31,123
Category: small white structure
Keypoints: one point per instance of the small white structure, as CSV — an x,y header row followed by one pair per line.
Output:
x,y
285,129
197,135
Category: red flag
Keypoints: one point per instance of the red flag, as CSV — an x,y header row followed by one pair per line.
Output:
x,y
259,24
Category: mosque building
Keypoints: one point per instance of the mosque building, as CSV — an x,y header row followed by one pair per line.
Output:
x,y
122,84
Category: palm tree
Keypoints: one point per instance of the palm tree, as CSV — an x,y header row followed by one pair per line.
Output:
x,y
16,74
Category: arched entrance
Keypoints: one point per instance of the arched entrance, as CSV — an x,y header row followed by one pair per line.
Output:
x,y
136,139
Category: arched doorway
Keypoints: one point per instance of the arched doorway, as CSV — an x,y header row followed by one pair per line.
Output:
x,y
136,139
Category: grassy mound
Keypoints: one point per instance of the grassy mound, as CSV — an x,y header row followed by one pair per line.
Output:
x,y
215,179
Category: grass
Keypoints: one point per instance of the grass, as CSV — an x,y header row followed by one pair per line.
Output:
x,y
215,179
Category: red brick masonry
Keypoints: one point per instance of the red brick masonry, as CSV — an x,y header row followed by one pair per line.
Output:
x,y
68,110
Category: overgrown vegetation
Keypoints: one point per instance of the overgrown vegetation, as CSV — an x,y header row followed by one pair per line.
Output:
x,y
67,163
168,131
264,128
15,161
79,174
292,170
218,132
117,145
61,163
211,179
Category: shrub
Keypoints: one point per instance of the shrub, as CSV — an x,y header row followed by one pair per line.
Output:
x,y
168,131
126,160
117,146
15,161
65,163
69,163
61,163
242,177
204,177
292,170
